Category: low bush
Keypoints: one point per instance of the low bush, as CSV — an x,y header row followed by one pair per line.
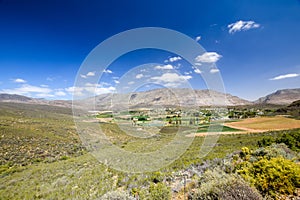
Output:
x,y
157,191
216,184
117,195
291,138
272,176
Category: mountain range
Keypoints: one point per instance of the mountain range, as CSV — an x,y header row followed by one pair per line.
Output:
x,y
162,97
280,97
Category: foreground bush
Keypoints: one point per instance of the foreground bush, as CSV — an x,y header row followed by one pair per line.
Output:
x,y
272,176
158,191
117,195
216,184
291,138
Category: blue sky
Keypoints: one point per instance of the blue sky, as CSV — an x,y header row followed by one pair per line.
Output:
x,y
254,44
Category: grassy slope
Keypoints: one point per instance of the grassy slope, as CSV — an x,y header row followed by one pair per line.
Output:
x,y
33,133
79,175
76,178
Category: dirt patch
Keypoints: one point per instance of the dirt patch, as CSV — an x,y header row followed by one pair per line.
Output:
x,y
262,124
256,125
216,133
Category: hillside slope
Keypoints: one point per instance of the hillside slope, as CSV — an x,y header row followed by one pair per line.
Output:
x,y
163,98
281,97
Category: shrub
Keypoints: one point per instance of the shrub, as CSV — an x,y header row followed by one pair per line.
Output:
x,y
273,151
159,191
274,176
117,195
216,184
290,138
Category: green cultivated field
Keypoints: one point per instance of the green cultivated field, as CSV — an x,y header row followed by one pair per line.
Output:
x,y
205,128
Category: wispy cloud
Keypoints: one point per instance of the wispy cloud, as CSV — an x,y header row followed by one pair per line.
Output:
x,y
214,70
196,70
208,57
187,73
171,79
284,76
27,89
89,74
139,76
242,26
60,93
198,38
175,58
44,95
90,89
164,67
107,71
19,80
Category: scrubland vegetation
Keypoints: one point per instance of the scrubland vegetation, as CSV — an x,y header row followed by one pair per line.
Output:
x,y
42,158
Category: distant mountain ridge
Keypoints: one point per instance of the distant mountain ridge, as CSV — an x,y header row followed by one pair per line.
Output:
x,y
280,97
15,98
165,97
162,97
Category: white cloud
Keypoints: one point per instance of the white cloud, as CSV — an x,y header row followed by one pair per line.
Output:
x,y
104,90
174,59
198,38
91,74
208,57
130,82
19,80
42,91
138,76
171,79
60,93
187,73
164,67
197,71
214,70
77,91
116,81
44,95
107,71
90,89
284,76
242,26
27,89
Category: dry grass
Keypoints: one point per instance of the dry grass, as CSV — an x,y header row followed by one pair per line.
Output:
x,y
262,124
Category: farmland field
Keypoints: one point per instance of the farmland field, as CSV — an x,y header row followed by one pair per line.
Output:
x,y
263,124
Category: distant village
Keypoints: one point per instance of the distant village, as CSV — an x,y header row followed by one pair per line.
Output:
x,y
176,116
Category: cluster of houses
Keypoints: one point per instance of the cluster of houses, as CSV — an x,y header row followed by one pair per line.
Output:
x,y
177,116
